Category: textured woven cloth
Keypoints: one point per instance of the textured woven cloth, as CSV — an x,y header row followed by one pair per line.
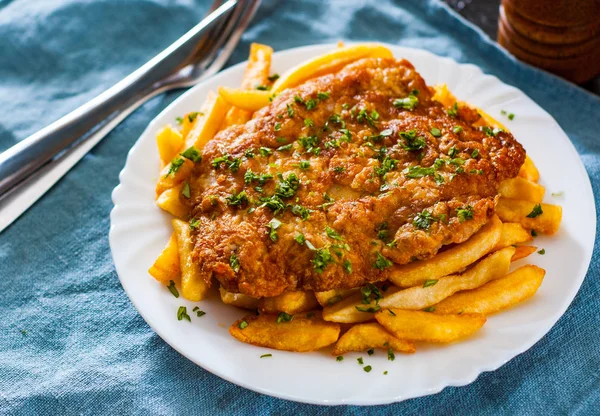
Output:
x,y
70,340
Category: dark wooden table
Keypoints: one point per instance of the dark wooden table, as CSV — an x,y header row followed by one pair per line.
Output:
x,y
484,13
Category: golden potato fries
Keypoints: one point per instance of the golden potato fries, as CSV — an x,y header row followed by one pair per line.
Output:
x,y
256,75
170,177
519,188
543,218
497,295
238,299
208,122
431,292
331,297
523,251
289,302
363,337
169,142
328,63
166,266
246,100
427,326
170,201
529,171
303,333
193,285
512,233
451,260
187,122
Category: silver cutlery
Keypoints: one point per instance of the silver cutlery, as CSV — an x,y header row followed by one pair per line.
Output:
x,y
34,165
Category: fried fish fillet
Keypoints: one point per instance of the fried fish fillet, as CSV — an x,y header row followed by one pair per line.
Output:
x,y
341,178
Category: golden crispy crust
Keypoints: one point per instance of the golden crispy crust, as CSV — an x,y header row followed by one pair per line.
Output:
x,y
376,217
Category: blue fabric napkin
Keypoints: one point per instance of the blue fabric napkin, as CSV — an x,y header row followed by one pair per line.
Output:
x,y
70,340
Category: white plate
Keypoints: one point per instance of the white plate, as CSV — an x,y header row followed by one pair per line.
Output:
x,y
139,231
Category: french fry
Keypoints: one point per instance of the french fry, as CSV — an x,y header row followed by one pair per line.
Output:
x,y
289,302
168,179
497,295
208,122
333,296
491,267
430,327
246,100
193,285
451,260
170,201
517,210
523,251
257,73
187,122
166,266
529,171
169,142
512,233
301,334
328,63
363,337
519,188
238,299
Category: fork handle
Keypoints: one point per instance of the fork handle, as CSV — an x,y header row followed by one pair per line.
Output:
x,y
30,154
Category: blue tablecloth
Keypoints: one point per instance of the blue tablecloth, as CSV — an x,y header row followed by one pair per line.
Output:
x,y
70,340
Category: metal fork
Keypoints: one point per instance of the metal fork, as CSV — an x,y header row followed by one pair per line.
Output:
x,y
31,167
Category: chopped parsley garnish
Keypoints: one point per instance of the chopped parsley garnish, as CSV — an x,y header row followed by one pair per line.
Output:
x,y
465,213
331,233
452,152
408,103
194,223
414,172
182,314
300,239
262,178
265,151
392,312
185,191
310,104
273,226
309,123
199,313
412,142
347,266
534,233
304,165
193,115
178,120
391,355
175,165
457,129
285,147
310,144
274,203
360,360
424,219
323,95
301,212
536,211
266,355
243,325
453,111
339,358
511,116
381,262
286,188
192,154
277,126
339,169
232,163
346,135
237,199
371,118
491,132
249,153
173,289
371,351
290,110
367,368
382,231
337,119
435,132
321,259
430,282
385,373
284,317
234,262
429,309
261,87
542,251
387,164
557,194
368,309
273,77
475,153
